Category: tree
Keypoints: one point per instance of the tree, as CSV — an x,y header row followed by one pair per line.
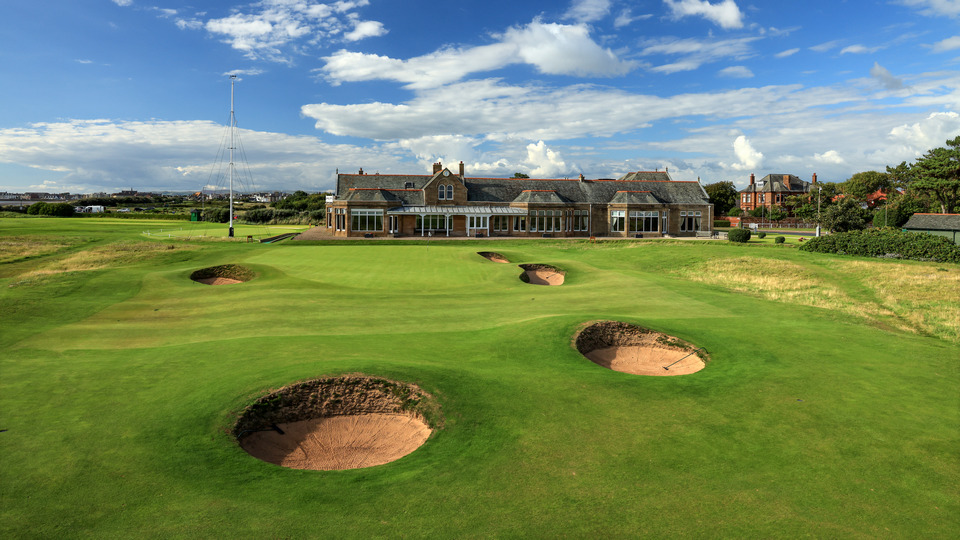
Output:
x,y
776,213
863,184
937,175
723,196
900,176
520,175
845,215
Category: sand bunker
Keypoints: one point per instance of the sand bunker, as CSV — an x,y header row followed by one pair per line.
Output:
x,y
633,349
335,423
225,274
493,256
542,274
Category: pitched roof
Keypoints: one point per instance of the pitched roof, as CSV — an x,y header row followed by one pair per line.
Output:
x,y
634,197
933,222
772,183
370,195
407,188
540,196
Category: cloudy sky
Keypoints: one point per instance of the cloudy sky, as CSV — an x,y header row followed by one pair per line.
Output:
x,y
110,94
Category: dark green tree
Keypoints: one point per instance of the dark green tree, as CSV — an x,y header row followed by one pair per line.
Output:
x,y
520,175
845,215
937,175
776,213
900,176
723,195
863,184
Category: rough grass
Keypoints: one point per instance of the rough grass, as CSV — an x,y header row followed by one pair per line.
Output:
x,y
98,258
17,248
916,298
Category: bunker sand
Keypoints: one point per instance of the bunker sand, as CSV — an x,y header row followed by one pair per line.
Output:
x,y
636,350
542,274
218,281
493,256
339,442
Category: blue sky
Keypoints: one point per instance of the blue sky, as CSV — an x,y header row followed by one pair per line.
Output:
x,y
100,95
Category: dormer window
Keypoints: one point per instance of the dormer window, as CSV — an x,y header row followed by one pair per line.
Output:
x,y
450,192
441,192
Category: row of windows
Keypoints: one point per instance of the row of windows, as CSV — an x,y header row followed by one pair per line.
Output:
x,y
539,220
366,220
689,221
445,192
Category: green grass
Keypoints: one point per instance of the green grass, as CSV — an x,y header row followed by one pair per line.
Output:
x,y
118,385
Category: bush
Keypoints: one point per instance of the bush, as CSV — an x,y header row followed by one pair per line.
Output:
x,y
761,234
216,215
887,243
720,223
779,240
316,216
741,236
51,209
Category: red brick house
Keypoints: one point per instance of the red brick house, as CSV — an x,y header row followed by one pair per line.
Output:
x,y
447,203
773,190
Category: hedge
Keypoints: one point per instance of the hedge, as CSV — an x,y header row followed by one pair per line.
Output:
x,y
887,243
740,236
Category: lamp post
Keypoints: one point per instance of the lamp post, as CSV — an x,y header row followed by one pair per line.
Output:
x,y
819,192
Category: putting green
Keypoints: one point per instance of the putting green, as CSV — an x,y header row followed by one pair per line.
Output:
x,y
120,386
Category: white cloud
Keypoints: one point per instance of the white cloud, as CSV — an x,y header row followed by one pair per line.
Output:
x,y
694,53
725,14
859,49
885,77
826,46
588,10
272,29
786,53
545,162
107,155
830,157
627,18
554,49
365,29
123,3
931,132
949,44
737,72
749,158
241,72
934,8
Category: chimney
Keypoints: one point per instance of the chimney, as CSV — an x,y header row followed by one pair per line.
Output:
x,y
752,179
361,170
461,169
786,181
814,178
437,167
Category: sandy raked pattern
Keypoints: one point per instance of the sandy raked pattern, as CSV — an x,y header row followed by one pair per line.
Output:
x,y
339,442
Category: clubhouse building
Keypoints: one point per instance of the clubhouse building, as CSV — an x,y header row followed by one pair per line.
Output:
x,y
447,203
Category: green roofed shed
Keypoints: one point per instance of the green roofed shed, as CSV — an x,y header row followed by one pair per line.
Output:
x,y
947,225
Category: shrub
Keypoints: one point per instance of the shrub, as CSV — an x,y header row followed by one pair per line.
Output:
x,y
741,236
51,209
779,240
761,234
720,223
888,243
216,215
